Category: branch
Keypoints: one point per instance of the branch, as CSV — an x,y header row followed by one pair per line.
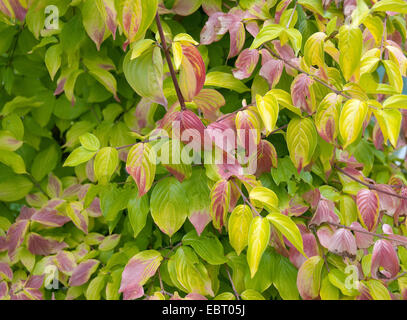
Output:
x,y
170,66
383,36
277,56
231,282
381,236
370,186
245,198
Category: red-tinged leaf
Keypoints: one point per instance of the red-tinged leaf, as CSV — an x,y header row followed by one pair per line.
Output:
x,y
384,256
367,203
65,261
343,243
199,220
141,166
325,213
3,244
246,63
234,194
111,16
209,101
325,234
211,6
34,282
280,9
271,69
377,137
192,73
388,203
5,10
82,273
309,278
363,240
253,28
327,117
54,187
296,207
237,38
310,249
266,157
287,53
138,270
223,134
301,93
25,213
49,217
194,296
131,16
312,197
185,7
248,130
77,215
39,245
19,10
93,22
3,289
15,236
94,210
220,199
212,31
5,272
27,290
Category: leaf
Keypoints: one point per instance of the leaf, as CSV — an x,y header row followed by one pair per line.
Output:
x,y
93,22
390,123
207,246
391,5
13,188
259,236
145,75
45,162
137,272
238,227
245,64
138,209
350,49
225,80
220,199
13,160
397,101
367,203
251,294
377,290
394,75
309,278
301,141
314,49
79,217
351,120
288,228
78,156
267,33
268,110
192,73
261,196
168,205
93,292
53,59
106,162
141,165
327,117
136,16
89,142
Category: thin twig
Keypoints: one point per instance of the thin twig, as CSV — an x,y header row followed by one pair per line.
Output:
x,y
292,15
276,55
245,198
381,236
170,66
370,186
383,36
36,183
232,283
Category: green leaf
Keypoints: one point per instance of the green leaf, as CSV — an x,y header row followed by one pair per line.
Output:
x,y
259,236
13,160
106,162
207,246
89,142
350,49
78,156
399,6
45,162
288,228
225,80
138,209
267,33
351,120
238,227
168,204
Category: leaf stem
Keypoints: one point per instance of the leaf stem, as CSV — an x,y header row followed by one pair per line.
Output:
x,y
170,65
245,198
232,283
370,186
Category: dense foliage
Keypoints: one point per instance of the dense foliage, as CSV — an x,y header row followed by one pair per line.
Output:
x,y
203,149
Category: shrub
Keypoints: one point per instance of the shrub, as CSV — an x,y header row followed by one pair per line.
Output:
x,y
203,149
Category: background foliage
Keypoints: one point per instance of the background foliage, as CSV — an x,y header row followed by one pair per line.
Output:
x,y
85,214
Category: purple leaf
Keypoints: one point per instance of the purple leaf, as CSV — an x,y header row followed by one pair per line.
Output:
x,y
343,243
384,255
246,63
5,272
325,213
81,274
15,236
39,245
49,217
